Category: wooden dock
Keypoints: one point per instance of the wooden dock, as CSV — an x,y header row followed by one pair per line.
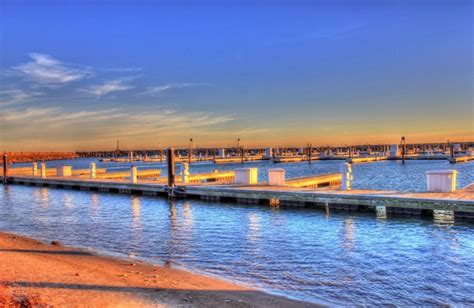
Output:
x,y
141,174
236,159
461,203
367,159
216,176
288,159
460,159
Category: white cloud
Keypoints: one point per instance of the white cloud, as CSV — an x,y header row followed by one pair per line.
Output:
x,y
56,123
108,87
16,96
48,71
160,88
37,127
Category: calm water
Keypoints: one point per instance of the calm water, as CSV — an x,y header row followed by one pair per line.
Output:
x,y
391,175
337,259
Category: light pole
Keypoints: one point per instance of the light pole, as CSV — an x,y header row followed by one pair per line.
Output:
x,y
190,152
238,142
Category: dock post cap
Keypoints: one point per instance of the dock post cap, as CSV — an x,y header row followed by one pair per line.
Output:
x,y
450,171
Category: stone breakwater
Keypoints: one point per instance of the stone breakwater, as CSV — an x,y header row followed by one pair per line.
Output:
x,y
25,157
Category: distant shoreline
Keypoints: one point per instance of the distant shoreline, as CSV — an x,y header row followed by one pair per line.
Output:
x,y
38,273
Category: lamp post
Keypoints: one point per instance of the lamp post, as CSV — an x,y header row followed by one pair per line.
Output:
x,y
190,152
238,142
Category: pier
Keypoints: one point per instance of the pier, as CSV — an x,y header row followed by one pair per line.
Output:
x,y
318,191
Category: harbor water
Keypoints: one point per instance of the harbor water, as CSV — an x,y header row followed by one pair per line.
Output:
x,y
335,258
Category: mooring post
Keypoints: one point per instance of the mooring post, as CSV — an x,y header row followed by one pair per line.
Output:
x,y
346,170
43,170
190,153
184,172
310,149
170,161
133,174
403,149
92,171
451,150
34,170
5,168
242,154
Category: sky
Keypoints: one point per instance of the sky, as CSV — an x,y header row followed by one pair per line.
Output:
x,y
79,75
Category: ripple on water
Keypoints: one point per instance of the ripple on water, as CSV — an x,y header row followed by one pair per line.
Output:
x,y
340,259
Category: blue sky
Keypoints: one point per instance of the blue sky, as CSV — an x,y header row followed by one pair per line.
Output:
x,y
81,74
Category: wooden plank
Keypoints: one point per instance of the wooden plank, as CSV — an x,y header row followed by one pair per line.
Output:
x,y
316,180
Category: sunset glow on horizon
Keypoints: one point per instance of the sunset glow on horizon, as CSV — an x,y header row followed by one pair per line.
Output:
x,y
81,75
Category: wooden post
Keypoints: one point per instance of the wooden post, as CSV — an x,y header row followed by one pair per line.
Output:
x,y
451,150
310,149
170,161
190,154
403,149
242,154
5,168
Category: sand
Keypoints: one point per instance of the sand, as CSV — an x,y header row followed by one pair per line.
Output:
x,y
34,273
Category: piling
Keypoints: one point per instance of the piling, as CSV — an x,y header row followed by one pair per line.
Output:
x,y
5,168
190,152
170,164
93,171
185,172
34,170
310,149
346,170
43,170
242,155
404,149
133,174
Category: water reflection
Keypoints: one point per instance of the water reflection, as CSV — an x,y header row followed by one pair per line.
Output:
x,y
349,233
68,200
136,213
44,197
301,253
254,227
187,224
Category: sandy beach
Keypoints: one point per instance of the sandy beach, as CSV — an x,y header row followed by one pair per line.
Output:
x,y
49,274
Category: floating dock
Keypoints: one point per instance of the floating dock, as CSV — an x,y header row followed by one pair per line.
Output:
x,y
289,159
354,160
236,159
459,203
460,159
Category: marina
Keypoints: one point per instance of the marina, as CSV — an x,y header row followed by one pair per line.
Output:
x,y
327,191
302,253
236,154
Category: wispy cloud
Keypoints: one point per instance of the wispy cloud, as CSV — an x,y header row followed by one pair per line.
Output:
x,y
48,71
109,87
12,97
160,88
56,123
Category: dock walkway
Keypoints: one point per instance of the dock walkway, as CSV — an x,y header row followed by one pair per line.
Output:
x,y
460,202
